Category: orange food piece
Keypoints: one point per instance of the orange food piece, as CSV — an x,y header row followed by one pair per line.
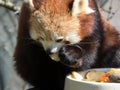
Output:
x,y
104,77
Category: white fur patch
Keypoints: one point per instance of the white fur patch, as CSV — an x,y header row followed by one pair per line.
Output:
x,y
53,46
73,37
54,50
81,6
33,34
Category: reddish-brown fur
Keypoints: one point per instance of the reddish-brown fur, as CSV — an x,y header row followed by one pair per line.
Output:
x,y
87,21
53,6
111,35
22,35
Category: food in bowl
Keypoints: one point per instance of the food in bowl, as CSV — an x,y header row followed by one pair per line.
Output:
x,y
112,75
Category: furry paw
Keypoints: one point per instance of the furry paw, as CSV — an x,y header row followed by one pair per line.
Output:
x,y
70,55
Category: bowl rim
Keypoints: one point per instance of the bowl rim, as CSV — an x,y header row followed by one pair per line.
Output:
x,y
90,82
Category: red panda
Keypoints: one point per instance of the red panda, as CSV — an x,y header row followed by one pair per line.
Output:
x,y
58,36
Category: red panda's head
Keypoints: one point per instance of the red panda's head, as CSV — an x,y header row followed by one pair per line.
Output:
x,y
55,23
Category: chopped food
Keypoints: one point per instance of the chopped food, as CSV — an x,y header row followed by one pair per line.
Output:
x,y
93,75
104,77
113,75
76,75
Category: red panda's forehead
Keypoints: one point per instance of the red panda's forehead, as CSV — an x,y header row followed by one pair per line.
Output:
x,y
54,26
55,6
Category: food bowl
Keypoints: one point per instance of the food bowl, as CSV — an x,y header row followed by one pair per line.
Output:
x,y
72,84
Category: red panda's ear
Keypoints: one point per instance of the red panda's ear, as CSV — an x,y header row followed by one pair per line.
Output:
x,y
34,4
81,6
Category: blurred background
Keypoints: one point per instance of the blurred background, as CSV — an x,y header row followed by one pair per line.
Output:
x,y
9,80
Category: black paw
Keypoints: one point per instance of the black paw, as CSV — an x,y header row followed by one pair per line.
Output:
x,y
70,55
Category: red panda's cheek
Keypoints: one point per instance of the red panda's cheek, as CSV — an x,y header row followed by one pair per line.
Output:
x,y
33,34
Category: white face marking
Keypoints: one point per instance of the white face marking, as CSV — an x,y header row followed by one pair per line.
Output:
x,y
73,38
55,49
53,46
33,34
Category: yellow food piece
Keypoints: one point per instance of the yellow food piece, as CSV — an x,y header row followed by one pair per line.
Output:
x,y
112,70
76,76
55,57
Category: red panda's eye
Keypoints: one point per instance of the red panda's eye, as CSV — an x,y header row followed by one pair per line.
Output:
x,y
67,42
63,41
59,40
